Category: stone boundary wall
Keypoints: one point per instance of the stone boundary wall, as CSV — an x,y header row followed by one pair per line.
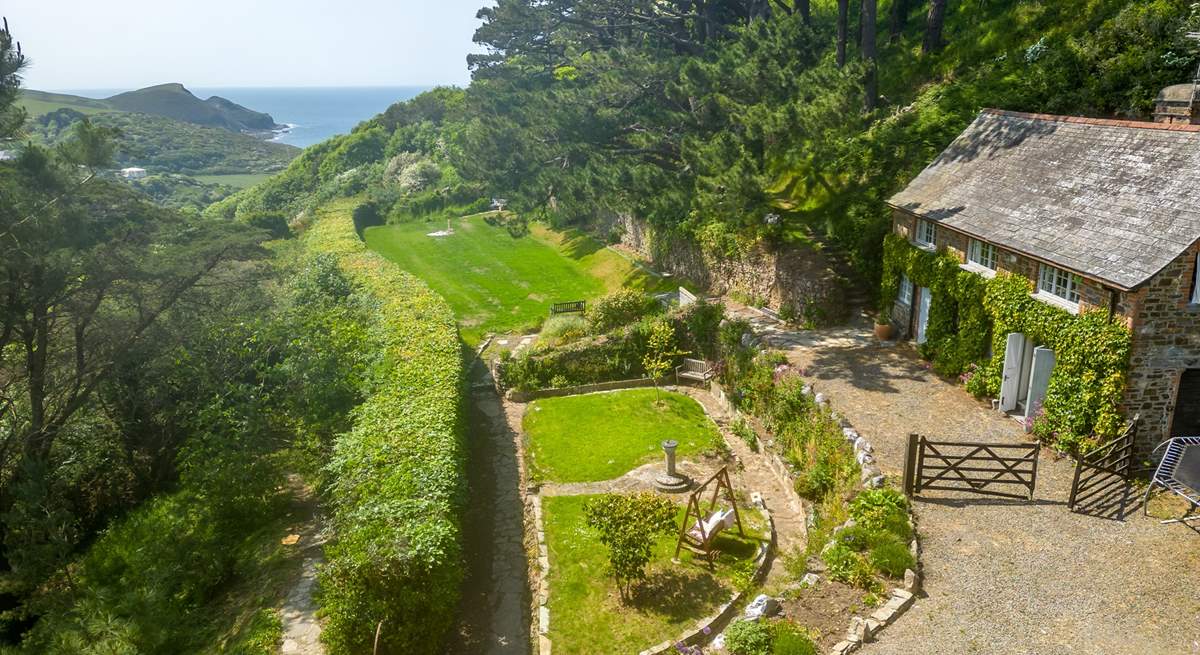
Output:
x,y
777,275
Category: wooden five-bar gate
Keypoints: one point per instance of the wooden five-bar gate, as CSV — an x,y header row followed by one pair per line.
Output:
x,y
994,469
1103,477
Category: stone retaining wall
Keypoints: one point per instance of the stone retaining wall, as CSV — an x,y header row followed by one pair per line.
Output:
x,y
796,276
525,396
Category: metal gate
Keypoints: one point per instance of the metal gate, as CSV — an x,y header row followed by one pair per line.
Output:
x,y
973,467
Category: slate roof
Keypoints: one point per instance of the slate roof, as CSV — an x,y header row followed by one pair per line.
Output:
x,y
1113,200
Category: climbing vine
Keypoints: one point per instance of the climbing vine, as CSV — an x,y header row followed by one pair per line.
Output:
x,y
1082,407
957,334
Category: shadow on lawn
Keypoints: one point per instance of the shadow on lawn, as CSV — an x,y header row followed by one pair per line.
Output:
x,y
679,593
577,245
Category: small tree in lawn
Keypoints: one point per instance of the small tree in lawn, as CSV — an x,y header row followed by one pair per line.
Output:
x,y
660,353
628,525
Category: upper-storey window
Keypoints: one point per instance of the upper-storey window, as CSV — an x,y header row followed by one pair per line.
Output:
x,y
1059,283
926,232
1196,282
983,254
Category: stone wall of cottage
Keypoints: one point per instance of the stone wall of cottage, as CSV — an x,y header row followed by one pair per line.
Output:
x,y
1092,294
1166,328
789,275
1166,342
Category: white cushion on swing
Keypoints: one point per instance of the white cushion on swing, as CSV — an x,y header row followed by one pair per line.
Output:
x,y
715,522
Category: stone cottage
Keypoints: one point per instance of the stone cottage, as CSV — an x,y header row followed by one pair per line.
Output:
x,y
1100,215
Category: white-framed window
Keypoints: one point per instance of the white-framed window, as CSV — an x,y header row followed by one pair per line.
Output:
x,y
982,254
1196,282
906,290
926,233
1059,283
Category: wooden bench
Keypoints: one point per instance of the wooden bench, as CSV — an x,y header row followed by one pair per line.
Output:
x,y
573,307
697,370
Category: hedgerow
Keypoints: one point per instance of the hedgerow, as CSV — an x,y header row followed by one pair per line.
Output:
x,y
397,484
1082,405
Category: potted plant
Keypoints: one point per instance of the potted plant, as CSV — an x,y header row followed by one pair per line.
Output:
x,y
883,327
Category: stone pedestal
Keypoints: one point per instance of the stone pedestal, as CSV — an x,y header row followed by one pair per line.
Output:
x,y
671,481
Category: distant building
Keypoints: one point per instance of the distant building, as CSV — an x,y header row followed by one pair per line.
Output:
x,y
133,173
498,204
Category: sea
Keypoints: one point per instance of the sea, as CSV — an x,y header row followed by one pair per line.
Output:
x,y
311,114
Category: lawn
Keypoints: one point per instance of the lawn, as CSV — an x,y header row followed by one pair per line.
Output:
x,y
499,283
601,436
586,615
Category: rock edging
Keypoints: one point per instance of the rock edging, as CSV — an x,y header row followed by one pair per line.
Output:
x,y
543,584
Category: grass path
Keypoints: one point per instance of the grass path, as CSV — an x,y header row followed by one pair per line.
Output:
x,y
498,283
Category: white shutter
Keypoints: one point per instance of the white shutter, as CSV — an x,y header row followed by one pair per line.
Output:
x,y
1196,283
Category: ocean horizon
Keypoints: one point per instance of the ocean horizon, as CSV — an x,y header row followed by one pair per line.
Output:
x,y
312,114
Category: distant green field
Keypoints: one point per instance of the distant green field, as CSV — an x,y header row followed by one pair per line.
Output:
x,y
497,283
235,180
37,103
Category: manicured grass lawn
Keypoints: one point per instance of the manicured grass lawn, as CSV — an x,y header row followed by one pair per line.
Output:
x,y
601,436
586,615
498,283
235,180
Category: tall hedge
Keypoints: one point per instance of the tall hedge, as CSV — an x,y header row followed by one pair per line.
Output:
x,y
398,485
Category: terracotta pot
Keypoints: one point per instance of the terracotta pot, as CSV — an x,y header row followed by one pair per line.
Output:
x,y
883,331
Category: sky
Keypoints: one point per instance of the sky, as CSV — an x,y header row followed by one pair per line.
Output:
x,y
84,44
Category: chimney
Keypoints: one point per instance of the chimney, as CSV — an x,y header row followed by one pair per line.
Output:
x,y
1180,103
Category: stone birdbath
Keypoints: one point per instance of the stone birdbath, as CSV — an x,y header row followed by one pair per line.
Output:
x,y
671,481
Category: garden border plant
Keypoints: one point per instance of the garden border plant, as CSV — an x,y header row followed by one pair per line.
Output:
x,y
397,483
1083,402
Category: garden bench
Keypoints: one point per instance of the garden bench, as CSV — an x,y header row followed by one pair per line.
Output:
x,y
573,307
694,369
1178,472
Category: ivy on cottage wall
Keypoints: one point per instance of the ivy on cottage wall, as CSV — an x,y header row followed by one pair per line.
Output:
x,y
958,331
1083,401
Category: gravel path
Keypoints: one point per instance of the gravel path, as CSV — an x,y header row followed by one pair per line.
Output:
x,y
1004,577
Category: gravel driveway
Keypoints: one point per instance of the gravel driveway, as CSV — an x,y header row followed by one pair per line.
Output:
x,y
1012,577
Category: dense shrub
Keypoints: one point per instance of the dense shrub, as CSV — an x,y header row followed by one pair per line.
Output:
x,y
845,565
749,638
791,639
617,356
617,309
701,322
559,330
397,486
876,508
892,558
